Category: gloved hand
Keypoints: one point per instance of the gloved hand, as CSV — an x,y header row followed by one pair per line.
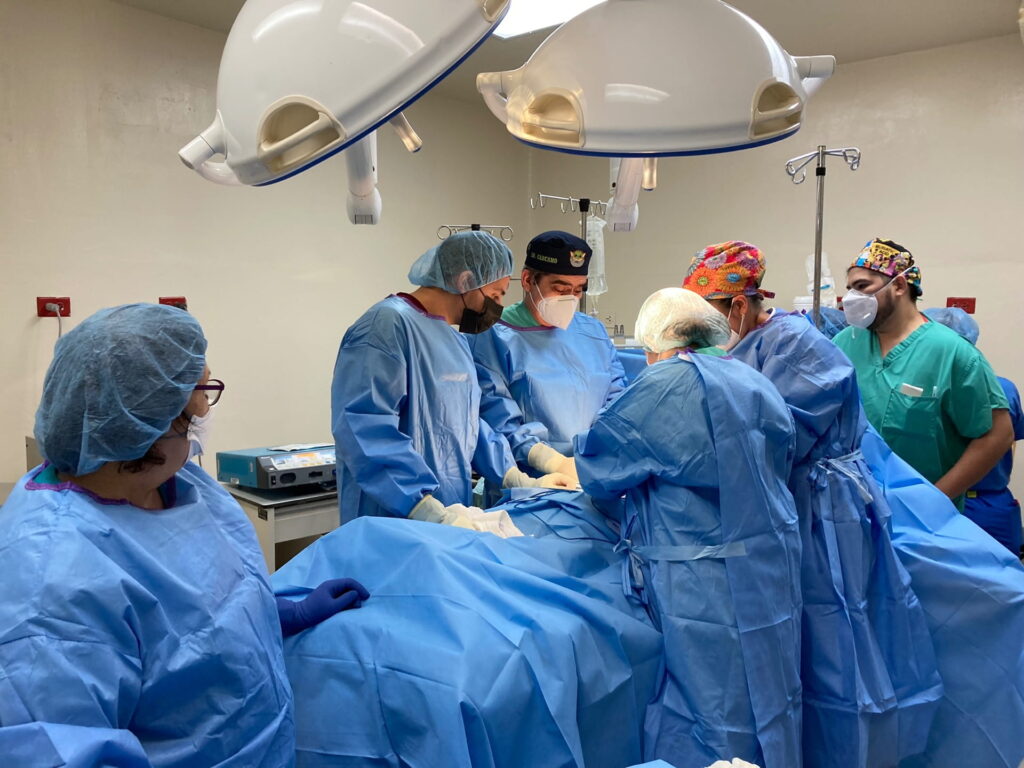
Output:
x,y
736,763
331,597
497,522
430,510
544,458
516,478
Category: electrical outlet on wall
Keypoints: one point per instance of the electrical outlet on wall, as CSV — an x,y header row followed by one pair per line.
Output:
x,y
64,302
967,304
175,301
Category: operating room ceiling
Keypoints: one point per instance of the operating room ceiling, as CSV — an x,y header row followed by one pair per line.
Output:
x,y
851,30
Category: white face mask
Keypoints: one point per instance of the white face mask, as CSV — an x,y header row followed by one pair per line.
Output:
x,y
199,434
861,309
734,336
557,310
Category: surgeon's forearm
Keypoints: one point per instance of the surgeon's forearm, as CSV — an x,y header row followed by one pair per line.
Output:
x,y
981,455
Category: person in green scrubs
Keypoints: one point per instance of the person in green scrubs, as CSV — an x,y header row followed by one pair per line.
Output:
x,y
933,397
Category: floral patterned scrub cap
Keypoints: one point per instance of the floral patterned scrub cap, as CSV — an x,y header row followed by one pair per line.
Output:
x,y
725,270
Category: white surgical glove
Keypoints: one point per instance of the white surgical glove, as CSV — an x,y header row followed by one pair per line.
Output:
x,y
544,458
497,522
736,763
430,510
516,478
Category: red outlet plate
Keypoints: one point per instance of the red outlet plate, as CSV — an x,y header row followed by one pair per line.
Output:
x,y
175,301
63,301
967,304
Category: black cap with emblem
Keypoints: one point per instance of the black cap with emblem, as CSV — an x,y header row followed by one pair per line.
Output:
x,y
558,253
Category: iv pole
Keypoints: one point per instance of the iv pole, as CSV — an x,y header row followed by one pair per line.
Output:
x,y
796,168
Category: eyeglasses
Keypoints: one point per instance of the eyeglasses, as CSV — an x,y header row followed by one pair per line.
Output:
x,y
212,389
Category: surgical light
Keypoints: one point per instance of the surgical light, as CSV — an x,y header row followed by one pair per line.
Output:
x,y
301,80
530,15
641,79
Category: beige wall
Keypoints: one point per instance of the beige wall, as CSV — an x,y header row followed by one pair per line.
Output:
x,y
942,132
96,100
97,97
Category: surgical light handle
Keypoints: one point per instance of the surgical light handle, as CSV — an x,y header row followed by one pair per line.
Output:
x,y
275,149
197,155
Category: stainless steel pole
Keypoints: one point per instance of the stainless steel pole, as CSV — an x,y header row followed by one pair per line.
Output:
x,y
818,226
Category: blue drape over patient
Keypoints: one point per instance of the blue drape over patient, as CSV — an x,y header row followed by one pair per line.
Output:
x,y
972,592
473,650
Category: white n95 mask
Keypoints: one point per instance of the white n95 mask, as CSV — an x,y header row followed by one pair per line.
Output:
x,y
558,310
859,308
199,434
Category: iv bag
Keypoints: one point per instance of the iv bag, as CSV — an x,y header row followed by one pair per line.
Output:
x,y
597,283
828,285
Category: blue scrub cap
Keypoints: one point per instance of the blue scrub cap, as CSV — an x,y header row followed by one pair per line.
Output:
x,y
956,319
463,262
116,383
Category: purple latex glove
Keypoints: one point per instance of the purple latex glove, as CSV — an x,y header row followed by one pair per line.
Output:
x,y
331,597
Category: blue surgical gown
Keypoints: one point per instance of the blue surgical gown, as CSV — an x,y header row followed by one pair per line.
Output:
x,y
990,503
474,651
405,410
634,362
869,673
138,638
972,592
701,449
545,385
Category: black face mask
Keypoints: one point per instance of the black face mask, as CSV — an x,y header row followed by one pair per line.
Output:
x,y
477,322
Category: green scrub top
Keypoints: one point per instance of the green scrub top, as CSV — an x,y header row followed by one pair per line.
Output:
x,y
712,351
519,315
929,397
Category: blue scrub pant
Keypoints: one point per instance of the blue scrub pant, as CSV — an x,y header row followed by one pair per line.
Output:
x,y
998,514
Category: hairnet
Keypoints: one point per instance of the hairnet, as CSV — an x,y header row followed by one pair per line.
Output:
x,y
463,262
116,383
957,319
676,317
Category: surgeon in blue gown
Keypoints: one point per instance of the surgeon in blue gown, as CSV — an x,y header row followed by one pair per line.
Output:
x,y
701,447
833,322
545,369
137,626
405,403
869,674
990,503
